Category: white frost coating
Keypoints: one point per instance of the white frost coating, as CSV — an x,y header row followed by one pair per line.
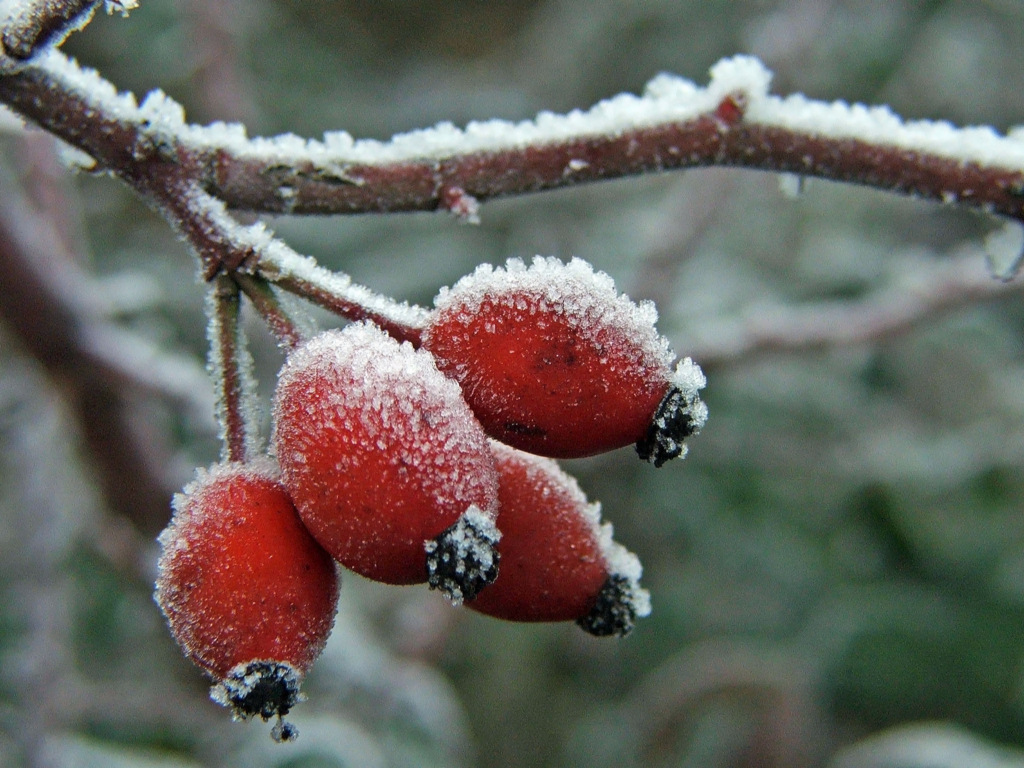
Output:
x,y
89,84
471,544
622,562
19,14
162,113
281,261
278,261
690,379
259,468
1004,250
121,6
404,406
75,159
366,353
573,290
666,99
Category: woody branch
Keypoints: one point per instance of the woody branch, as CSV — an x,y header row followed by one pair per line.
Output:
x,y
195,174
439,169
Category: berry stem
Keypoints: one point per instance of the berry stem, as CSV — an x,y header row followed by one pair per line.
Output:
x,y
229,368
269,306
338,302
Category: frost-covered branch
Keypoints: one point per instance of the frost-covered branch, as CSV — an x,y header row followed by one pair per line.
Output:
x,y
674,124
733,121
922,294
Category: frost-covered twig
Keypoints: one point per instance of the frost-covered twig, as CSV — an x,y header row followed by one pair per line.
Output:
x,y
268,305
32,24
896,309
225,246
675,124
231,368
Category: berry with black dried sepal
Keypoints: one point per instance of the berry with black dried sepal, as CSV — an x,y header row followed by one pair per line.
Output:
x,y
248,593
558,562
555,362
387,465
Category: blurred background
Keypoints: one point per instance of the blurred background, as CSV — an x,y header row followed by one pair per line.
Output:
x,y
837,570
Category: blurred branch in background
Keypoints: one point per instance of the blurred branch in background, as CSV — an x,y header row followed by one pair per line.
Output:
x,y
921,288
58,313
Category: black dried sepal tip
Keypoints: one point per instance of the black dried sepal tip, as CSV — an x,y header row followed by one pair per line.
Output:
x,y
673,422
261,688
614,614
463,560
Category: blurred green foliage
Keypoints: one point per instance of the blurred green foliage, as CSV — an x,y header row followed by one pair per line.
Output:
x,y
841,554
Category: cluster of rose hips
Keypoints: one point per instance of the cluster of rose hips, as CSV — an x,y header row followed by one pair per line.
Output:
x,y
411,465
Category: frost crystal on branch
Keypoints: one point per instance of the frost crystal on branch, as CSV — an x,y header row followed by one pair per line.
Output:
x,y
121,6
1004,250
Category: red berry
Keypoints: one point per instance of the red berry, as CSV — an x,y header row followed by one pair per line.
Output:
x,y
387,465
558,563
248,594
553,361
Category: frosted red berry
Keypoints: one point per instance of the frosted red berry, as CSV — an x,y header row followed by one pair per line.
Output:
x,y
554,361
387,465
248,594
558,562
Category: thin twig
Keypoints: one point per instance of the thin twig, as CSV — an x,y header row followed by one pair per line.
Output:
x,y
229,371
267,304
38,23
343,305
888,312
